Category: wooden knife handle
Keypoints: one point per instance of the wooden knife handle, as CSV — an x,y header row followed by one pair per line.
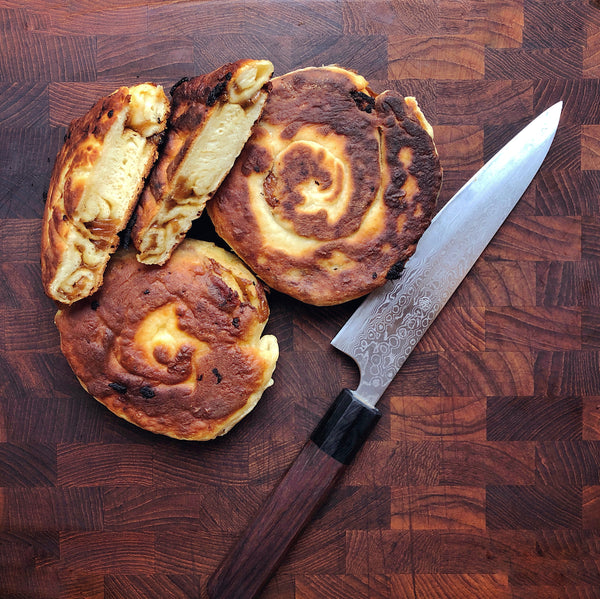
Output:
x,y
256,555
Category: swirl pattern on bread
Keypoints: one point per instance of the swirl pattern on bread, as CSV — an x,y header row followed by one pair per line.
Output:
x,y
177,349
96,181
333,189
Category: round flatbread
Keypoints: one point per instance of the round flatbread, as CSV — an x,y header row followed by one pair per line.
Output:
x,y
176,350
333,189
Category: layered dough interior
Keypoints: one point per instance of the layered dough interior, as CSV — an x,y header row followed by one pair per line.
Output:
x,y
110,186
208,158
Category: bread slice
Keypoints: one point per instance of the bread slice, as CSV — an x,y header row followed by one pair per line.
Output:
x,y
211,120
96,181
177,350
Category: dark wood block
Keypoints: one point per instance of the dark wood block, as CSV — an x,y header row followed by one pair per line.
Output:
x,y
356,507
532,507
147,57
39,56
183,552
102,552
532,63
464,586
26,161
487,463
290,18
92,464
54,509
27,465
23,105
590,147
456,328
419,376
148,510
383,17
336,587
20,241
532,418
567,31
115,18
591,419
27,552
562,574
34,584
366,54
578,95
156,586
460,147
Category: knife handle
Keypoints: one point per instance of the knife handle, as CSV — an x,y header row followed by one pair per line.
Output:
x,y
333,444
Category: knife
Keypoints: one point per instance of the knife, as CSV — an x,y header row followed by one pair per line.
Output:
x,y
379,336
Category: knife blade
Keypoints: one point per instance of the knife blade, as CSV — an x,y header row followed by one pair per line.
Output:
x,y
380,336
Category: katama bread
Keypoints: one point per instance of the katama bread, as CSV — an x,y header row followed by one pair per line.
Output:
x,y
176,350
333,189
96,181
211,119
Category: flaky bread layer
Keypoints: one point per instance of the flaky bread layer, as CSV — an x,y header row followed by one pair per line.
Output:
x,y
212,119
96,181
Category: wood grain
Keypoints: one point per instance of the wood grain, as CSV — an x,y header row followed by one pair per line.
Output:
x,y
482,478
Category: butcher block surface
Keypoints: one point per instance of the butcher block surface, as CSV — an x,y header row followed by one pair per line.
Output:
x,y
482,478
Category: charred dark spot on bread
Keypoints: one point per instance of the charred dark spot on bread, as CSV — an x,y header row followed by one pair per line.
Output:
x,y
395,271
176,85
122,389
217,374
147,392
236,322
363,101
217,91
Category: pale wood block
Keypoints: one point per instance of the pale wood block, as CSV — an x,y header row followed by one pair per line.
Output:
x,y
435,57
590,147
433,508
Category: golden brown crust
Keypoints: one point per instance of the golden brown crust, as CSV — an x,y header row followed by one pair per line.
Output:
x,y
86,209
177,349
211,119
333,189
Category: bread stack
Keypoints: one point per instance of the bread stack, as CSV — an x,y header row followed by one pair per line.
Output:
x,y
319,185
